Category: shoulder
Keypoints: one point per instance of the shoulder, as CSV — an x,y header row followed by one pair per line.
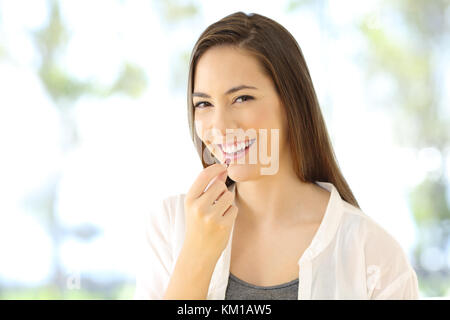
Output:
x,y
373,238
174,205
165,212
389,274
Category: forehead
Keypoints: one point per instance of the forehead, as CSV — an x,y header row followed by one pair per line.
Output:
x,y
224,67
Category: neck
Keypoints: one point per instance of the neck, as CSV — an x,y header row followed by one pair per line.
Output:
x,y
275,200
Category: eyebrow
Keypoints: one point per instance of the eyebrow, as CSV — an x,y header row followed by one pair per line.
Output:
x,y
234,89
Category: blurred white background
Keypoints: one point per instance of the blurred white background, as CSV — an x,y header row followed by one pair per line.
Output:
x,y
94,131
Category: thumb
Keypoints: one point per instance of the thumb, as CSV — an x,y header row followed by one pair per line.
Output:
x,y
223,176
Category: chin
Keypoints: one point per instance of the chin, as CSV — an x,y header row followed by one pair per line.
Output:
x,y
243,172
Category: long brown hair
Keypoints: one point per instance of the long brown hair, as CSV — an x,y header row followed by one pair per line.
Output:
x,y
282,60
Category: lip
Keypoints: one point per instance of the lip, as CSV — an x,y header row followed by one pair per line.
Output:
x,y
235,155
233,143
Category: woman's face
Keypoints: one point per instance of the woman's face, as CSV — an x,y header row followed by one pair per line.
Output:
x,y
247,114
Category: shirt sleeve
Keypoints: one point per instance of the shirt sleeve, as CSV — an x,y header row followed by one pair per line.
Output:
x,y
404,287
155,255
389,274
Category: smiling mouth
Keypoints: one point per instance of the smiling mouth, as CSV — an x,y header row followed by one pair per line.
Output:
x,y
233,151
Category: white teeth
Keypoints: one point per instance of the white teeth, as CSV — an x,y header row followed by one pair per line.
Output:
x,y
233,149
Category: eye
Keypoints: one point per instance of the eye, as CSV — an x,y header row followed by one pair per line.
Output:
x,y
197,105
244,97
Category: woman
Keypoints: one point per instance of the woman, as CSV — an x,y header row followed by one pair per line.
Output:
x,y
291,231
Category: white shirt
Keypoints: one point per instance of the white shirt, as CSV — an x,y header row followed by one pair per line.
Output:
x,y
350,257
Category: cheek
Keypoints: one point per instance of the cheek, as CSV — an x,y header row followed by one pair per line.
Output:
x,y
199,126
203,130
266,118
271,118
197,129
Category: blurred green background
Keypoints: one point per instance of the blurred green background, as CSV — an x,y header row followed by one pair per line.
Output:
x,y
89,90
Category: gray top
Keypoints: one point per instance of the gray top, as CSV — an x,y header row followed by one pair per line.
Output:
x,y
238,289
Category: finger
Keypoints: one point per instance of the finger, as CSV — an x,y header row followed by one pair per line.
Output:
x,y
220,177
230,215
214,192
203,179
224,202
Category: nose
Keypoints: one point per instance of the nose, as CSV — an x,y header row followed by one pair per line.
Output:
x,y
221,121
